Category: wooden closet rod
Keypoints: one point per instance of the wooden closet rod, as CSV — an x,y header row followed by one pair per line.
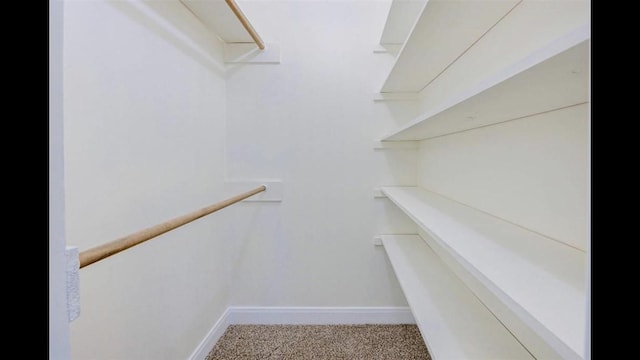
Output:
x,y
245,22
103,251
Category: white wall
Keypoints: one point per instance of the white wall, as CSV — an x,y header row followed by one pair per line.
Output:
x,y
58,320
144,102
532,171
311,122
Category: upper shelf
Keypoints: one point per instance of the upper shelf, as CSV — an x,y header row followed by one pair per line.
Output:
x,y
441,33
400,20
226,19
553,77
529,277
447,31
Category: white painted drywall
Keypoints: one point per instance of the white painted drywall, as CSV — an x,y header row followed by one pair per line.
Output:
x,y
59,348
144,102
310,121
532,171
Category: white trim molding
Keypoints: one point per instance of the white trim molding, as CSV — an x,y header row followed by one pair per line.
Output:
x,y
320,315
212,337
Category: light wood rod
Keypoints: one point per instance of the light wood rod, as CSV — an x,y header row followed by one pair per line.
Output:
x,y
245,22
103,251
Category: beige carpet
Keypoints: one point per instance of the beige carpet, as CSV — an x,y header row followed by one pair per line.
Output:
x,y
370,342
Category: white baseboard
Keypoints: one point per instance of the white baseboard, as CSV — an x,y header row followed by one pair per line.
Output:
x,y
320,315
209,341
245,315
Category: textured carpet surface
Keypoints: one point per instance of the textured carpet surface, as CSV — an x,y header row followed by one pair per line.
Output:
x,y
370,342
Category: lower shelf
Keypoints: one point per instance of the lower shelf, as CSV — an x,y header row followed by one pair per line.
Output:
x,y
453,322
533,284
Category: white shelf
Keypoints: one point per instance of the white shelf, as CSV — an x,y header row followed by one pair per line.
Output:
x,y
429,49
474,36
454,323
523,275
218,17
400,20
554,77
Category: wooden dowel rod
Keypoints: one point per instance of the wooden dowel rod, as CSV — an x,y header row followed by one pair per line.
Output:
x,y
245,22
100,252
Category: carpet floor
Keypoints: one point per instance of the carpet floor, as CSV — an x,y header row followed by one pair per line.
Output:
x,y
370,342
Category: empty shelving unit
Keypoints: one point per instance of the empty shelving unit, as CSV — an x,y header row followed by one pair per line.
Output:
x,y
500,199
